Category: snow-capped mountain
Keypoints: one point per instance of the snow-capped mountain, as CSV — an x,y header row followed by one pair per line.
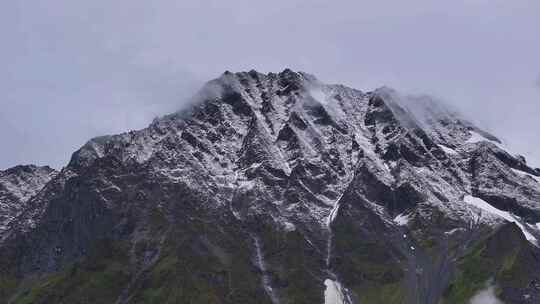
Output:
x,y
278,188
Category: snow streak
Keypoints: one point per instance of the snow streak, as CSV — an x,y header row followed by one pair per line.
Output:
x,y
259,259
485,206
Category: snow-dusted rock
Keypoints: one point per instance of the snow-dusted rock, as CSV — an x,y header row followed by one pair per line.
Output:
x,y
17,186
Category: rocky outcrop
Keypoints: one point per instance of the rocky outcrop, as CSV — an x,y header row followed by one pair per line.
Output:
x,y
17,186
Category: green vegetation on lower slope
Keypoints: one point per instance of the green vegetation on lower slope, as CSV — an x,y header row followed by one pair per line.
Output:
x,y
98,278
371,272
199,261
370,266
8,285
502,257
294,265
202,263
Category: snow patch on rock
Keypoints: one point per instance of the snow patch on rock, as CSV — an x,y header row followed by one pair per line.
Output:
x,y
451,232
486,296
448,150
335,293
519,172
402,219
485,206
476,137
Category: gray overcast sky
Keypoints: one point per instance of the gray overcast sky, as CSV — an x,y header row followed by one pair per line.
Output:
x,y
72,70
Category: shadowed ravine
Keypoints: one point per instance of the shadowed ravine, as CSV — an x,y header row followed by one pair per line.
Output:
x,y
335,292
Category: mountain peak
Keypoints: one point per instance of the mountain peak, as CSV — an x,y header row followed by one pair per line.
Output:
x,y
286,189
286,74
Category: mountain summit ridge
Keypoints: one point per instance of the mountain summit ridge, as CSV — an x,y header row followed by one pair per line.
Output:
x,y
282,189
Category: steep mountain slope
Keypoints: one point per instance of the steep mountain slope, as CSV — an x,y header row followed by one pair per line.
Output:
x,y
277,188
17,186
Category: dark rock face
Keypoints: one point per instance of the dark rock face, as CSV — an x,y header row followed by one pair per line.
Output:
x,y
18,185
277,188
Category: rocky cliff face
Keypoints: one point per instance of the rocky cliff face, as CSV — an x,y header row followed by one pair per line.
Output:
x,y
277,188
17,186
